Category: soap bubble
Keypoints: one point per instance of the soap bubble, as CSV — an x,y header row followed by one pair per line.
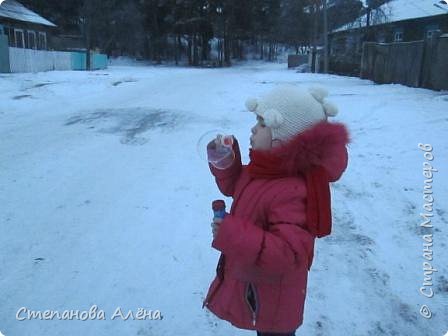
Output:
x,y
215,147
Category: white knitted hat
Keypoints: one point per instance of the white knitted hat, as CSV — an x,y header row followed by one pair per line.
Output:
x,y
289,110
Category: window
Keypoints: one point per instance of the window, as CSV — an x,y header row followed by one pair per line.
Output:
x,y
381,37
11,37
350,43
10,33
20,40
430,33
398,36
42,41
31,40
430,30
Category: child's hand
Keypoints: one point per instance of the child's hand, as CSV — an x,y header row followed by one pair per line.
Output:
x,y
215,226
221,140
216,142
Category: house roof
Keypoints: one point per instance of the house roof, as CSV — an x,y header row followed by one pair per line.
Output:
x,y
12,9
397,10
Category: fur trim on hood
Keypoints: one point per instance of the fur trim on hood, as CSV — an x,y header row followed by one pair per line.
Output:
x,y
323,144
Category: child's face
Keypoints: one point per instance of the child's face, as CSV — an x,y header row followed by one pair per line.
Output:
x,y
261,137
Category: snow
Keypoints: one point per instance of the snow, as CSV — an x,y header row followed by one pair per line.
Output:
x,y
397,10
127,61
12,9
105,201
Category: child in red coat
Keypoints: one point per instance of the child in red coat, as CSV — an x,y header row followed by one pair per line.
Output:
x,y
281,203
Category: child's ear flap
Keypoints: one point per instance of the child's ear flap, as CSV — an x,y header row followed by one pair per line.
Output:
x,y
251,104
273,118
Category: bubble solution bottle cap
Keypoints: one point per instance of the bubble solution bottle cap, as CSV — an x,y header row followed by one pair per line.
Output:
x,y
219,208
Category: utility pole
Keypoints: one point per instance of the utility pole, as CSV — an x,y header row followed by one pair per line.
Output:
x,y
87,9
325,38
314,35
368,11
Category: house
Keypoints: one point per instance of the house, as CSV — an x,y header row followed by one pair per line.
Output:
x,y
393,21
30,43
25,28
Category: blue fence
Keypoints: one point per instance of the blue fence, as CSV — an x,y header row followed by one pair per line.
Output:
x,y
78,61
98,61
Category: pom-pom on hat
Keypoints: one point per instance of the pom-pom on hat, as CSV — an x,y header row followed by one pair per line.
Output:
x,y
288,110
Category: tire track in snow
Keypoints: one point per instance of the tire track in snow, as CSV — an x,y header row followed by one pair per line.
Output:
x,y
363,276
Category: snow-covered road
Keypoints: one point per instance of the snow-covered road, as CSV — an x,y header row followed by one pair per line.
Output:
x,y
104,201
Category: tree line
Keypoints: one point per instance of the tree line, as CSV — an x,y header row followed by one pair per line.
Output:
x,y
195,31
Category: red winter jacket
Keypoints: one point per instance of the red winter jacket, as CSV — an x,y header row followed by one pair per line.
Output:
x,y
264,240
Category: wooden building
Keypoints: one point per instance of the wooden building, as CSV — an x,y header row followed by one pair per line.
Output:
x,y
394,21
25,28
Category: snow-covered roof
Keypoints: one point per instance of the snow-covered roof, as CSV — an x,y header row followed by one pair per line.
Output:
x,y
12,9
397,10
